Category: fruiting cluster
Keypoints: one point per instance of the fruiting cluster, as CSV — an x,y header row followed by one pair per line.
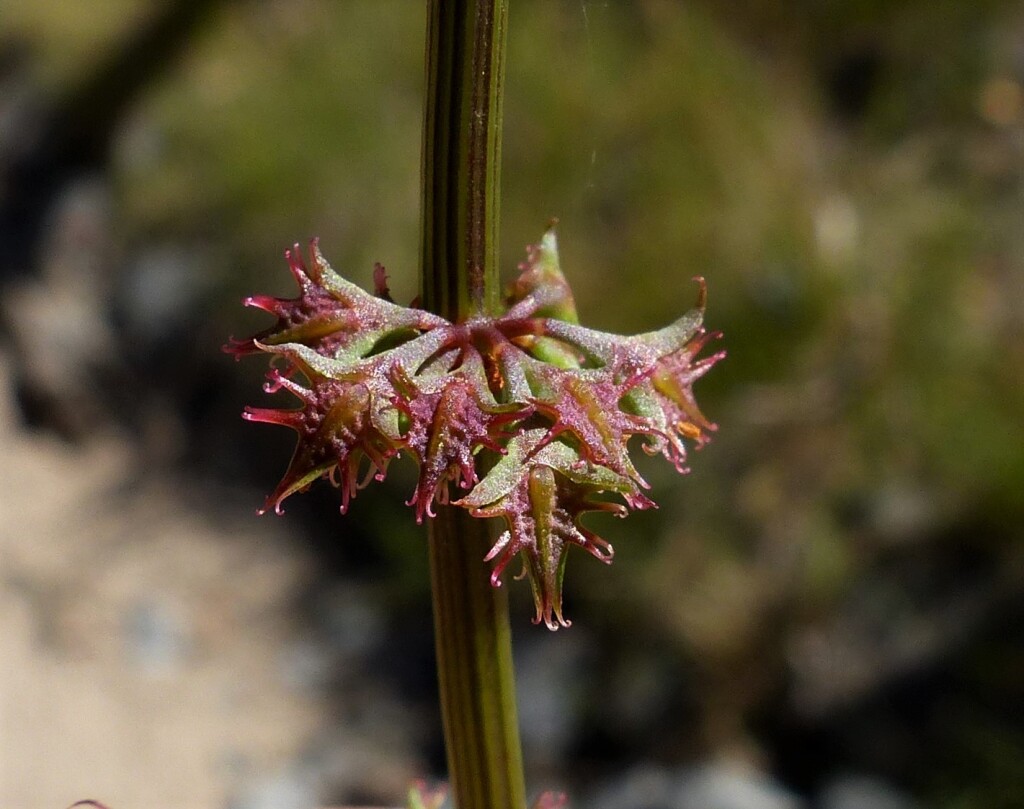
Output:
x,y
528,413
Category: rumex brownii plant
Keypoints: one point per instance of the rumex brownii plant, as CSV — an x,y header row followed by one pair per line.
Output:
x,y
524,416
511,408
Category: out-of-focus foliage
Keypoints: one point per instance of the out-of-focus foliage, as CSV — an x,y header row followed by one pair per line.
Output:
x,y
839,586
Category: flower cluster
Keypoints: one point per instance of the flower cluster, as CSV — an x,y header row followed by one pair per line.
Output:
x,y
549,404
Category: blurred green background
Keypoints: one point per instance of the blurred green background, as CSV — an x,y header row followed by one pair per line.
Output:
x,y
828,612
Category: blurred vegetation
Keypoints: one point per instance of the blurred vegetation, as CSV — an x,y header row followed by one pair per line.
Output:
x,y
839,584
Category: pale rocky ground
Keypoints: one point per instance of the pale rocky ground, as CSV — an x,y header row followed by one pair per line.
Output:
x,y
148,655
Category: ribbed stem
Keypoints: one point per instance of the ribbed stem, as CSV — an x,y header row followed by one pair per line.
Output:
x,y
474,663
462,156
461,171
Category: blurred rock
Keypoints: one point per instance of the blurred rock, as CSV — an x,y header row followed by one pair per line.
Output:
x,y
861,792
718,786
158,635
549,694
287,790
137,635
59,321
640,788
707,786
160,293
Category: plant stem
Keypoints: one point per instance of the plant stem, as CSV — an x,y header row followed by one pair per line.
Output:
x,y
462,156
461,172
474,664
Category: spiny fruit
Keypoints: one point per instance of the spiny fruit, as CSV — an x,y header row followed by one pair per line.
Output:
x,y
527,413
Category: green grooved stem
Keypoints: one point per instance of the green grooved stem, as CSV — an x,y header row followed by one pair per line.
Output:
x,y
462,156
474,663
461,174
